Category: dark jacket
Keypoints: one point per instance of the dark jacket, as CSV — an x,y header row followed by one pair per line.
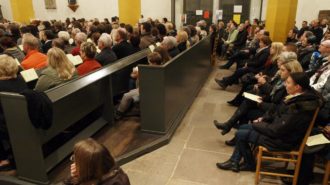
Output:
x,y
241,39
146,41
173,52
256,64
318,32
106,56
182,46
286,128
46,46
304,56
123,49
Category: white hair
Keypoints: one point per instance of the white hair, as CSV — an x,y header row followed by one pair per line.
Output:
x,y
76,30
170,42
64,35
81,37
106,39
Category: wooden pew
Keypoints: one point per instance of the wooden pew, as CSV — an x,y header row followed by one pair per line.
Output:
x,y
166,92
73,103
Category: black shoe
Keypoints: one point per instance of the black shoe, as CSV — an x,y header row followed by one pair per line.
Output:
x,y
222,126
7,167
221,84
231,142
233,103
229,165
246,167
118,115
224,67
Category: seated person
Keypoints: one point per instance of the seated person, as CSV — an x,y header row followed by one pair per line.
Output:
x,y
79,39
254,65
282,129
46,37
135,41
33,59
87,53
182,40
292,36
163,53
93,164
9,82
65,36
318,58
10,48
232,36
271,93
59,70
306,51
146,38
240,41
318,80
106,56
122,48
170,43
133,95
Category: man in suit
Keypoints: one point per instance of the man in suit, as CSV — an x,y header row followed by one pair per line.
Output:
x,y
122,48
255,65
106,56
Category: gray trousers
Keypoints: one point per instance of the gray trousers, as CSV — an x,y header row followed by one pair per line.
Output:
x,y
128,98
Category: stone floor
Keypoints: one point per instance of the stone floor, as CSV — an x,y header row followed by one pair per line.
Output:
x,y
190,157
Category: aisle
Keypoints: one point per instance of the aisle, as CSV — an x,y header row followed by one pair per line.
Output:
x,y
190,157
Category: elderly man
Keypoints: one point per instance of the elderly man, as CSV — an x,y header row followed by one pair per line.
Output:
x,y
170,44
106,56
79,39
33,59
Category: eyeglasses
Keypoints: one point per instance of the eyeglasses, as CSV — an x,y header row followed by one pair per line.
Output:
x,y
72,158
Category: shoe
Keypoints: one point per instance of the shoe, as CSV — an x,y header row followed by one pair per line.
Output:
x,y
246,167
231,142
233,103
118,115
7,167
222,126
221,84
224,67
229,165
217,124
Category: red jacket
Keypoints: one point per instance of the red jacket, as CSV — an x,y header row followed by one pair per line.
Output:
x,y
88,66
75,51
34,59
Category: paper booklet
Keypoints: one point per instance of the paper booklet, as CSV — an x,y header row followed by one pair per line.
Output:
x,y
158,44
152,48
29,75
17,62
20,47
252,97
317,140
76,60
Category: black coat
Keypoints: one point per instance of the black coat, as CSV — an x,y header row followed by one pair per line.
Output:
x,y
286,128
256,64
241,39
173,52
106,56
46,46
318,32
304,56
123,49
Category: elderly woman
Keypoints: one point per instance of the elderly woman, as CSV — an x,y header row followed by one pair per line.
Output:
x,y
87,53
9,82
170,44
106,56
59,70
79,39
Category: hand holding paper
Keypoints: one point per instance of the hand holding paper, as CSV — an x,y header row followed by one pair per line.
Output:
x,y
252,97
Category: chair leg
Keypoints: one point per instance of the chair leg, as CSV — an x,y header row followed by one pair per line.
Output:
x,y
296,171
257,177
326,174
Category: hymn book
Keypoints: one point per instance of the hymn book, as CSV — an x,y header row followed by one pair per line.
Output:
x,y
158,44
317,140
252,97
29,75
20,47
152,48
76,60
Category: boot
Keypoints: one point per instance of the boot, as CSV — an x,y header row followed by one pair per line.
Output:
x,y
226,127
229,165
221,83
231,142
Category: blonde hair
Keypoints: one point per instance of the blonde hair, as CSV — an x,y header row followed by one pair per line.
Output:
x,y
60,62
182,36
30,40
8,67
293,66
278,48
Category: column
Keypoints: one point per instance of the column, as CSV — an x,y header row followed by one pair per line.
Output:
x,y
280,18
129,11
22,10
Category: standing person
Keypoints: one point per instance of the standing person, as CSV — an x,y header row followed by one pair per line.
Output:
x,y
93,164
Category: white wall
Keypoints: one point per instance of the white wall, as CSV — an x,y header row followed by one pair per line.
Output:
x,y
178,12
309,9
87,9
6,9
156,9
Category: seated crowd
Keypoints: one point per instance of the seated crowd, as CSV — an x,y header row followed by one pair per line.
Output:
x,y
48,48
291,81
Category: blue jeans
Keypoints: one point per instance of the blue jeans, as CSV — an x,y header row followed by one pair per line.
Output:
x,y
244,136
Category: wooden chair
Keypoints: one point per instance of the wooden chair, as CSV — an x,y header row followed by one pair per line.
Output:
x,y
326,173
285,156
